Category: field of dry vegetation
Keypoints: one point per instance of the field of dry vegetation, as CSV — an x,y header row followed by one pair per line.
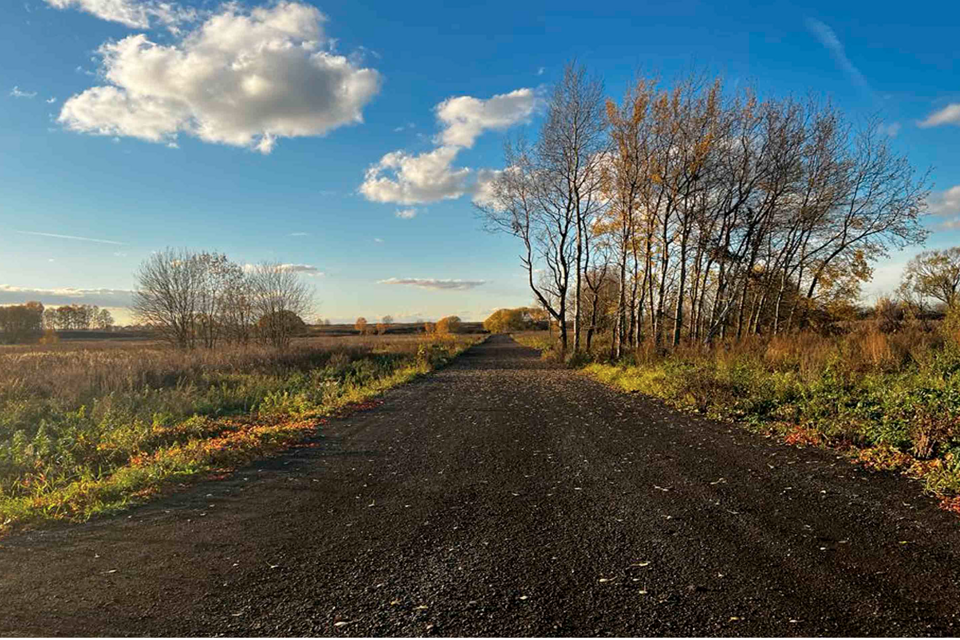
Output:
x,y
90,427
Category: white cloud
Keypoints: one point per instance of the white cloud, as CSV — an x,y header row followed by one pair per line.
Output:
x,y
541,71
378,240
242,78
891,129
483,193
829,39
402,178
305,269
948,115
946,203
299,234
406,214
10,294
435,283
51,100
414,179
137,14
17,92
65,237
465,117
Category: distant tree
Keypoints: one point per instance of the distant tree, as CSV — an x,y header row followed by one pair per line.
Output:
x,y
934,274
361,325
103,320
50,319
448,325
429,328
166,295
278,294
21,322
384,324
506,320
286,322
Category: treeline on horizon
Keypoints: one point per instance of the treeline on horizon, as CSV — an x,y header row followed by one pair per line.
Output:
x,y
691,212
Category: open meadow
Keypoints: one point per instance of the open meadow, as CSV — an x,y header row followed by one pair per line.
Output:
x,y
89,426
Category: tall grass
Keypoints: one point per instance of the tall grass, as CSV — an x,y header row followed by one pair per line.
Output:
x,y
891,399
85,430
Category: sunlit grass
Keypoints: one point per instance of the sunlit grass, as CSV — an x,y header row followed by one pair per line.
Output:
x,y
86,431
891,401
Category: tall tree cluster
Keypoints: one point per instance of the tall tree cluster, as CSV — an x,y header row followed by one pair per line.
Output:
x,y
692,212
204,299
77,317
20,322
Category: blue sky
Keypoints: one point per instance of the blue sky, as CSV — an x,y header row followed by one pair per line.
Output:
x,y
128,127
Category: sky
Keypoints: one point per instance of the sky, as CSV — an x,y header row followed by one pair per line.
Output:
x,y
349,140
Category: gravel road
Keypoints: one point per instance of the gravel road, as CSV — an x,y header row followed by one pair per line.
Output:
x,y
504,496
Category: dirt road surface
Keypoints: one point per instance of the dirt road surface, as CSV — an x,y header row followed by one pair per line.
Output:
x,y
504,496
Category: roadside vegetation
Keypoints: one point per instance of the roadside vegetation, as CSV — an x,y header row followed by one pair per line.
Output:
x,y
231,374
707,245
90,430
886,393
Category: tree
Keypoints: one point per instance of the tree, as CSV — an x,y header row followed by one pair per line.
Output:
x,y
934,274
507,320
283,322
384,324
103,320
549,194
21,322
166,295
448,325
623,178
278,294
361,325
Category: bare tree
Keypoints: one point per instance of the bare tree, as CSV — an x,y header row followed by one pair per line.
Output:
x,y
279,299
571,151
166,295
550,194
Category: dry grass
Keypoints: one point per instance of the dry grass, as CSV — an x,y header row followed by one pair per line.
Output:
x,y
891,398
85,427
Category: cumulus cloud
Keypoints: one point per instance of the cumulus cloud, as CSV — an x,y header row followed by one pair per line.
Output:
x,y
407,214
435,283
17,92
10,294
242,78
403,178
465,117
946,203
948,115
136,14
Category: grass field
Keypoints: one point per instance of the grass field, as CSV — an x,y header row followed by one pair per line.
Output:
x,y
88,427
891,401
